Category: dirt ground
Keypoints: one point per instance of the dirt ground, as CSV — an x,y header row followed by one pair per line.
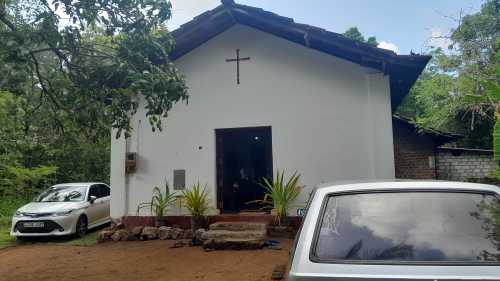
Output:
x,y
137,261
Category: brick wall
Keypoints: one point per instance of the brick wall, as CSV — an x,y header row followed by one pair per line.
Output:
x,y
460,165
413,153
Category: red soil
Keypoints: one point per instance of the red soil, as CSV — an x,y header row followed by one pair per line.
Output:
x,y
148,261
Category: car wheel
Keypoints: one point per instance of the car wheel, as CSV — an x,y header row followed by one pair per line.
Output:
x,y
81,226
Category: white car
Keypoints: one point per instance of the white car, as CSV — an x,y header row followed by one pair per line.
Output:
x,y
63,209
399,230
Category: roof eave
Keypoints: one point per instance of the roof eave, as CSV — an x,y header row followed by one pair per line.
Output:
x,y
403,70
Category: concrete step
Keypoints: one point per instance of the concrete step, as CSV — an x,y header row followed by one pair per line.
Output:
x,y
239,226
228,234
233,244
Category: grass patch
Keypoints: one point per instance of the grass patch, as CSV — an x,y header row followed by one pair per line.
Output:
x,y
7,208
88,240
5,239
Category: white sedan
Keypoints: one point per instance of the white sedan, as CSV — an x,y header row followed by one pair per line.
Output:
x,y
63,209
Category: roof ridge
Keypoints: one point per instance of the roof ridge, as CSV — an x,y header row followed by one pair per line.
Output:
x,y
403,69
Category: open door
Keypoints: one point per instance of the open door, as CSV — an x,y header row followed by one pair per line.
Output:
x,y
244,158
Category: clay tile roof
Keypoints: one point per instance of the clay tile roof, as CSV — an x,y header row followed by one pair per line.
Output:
x,y
403,70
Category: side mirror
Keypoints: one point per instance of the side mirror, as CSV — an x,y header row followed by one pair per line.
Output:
x,y
92,198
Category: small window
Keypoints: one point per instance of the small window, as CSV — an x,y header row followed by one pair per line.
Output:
x,y
94,191
409,226
105,191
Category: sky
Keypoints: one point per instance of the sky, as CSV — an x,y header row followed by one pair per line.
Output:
x,y
399,25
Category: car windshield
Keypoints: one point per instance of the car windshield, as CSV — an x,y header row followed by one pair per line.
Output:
x,y
410,226
62,194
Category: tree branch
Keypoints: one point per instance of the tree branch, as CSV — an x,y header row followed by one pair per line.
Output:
x,y
45,90
6,21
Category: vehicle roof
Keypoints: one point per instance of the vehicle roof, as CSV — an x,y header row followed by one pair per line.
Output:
x,y
366,185
77,184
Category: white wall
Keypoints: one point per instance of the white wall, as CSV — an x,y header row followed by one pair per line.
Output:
x,y
331,119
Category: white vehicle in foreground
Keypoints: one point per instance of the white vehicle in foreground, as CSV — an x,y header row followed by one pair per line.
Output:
x,y
63,209
399,230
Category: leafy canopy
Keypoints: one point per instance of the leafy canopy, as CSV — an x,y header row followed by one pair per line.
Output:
x,y
91,60
456,91
355,34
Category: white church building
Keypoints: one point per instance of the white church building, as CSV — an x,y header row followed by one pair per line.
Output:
x,y
265,94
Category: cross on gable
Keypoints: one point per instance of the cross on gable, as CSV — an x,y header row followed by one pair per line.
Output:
x,y
237,60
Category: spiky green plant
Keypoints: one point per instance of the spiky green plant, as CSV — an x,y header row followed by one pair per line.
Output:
x,y
196,200
160,201
280,193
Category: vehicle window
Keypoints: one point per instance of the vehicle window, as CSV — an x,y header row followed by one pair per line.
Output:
x,y
410,226
62,194
95,191
104,190
299,232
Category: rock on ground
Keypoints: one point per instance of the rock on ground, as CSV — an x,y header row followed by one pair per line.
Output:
x,y
233,244
149,233
228,234
120,235
188,234
137,231
278,272
104,235
238,226
177,233
164,232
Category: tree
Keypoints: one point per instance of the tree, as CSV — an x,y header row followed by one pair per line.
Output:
x,y
441,99
355,34
95,62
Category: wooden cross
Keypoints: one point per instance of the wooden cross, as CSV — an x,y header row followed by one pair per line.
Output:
x,y
237,60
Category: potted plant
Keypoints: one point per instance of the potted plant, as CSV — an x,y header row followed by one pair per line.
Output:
x,y
280,194
159,204
197,202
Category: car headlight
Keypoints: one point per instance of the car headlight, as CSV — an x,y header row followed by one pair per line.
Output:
x,y
18,214
62,214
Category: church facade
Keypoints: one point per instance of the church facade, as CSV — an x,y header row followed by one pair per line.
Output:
x,y
266,94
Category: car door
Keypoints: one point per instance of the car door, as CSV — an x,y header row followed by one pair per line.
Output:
x,y
106,198
94,208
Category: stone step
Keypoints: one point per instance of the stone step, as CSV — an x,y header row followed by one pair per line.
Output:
x,y
233,244
239,226
232,235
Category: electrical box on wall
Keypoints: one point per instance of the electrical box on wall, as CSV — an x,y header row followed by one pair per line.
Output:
x,y
179,179
131,162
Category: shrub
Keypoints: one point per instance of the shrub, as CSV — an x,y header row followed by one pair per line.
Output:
x,y
160,202
280,194
196,200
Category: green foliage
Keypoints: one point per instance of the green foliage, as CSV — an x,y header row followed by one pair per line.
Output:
x,y
160,202
196,200
496,140
5,239
89,239
24,181
90,61
280,193
34,153
456,93
355,34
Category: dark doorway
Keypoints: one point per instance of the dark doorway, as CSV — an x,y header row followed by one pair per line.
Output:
x,y
244,157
